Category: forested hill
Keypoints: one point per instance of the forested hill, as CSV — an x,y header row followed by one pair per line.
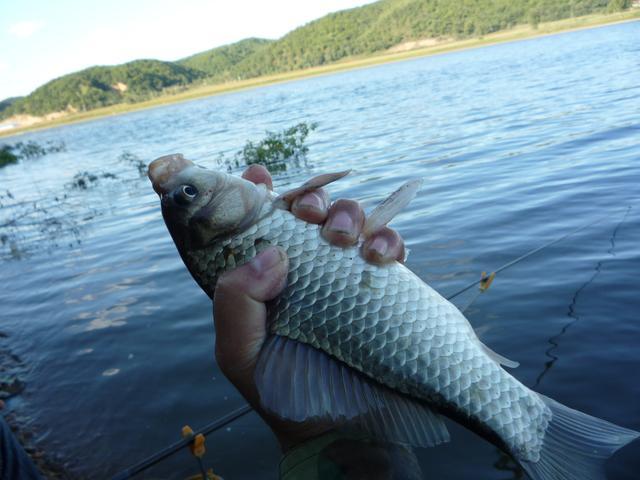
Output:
x,y
220,63
100,86
381,25
360,31
7,102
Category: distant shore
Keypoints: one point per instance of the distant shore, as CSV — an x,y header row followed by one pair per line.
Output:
x,y
414,49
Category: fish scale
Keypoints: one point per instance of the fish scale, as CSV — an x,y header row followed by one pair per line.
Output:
x,y
386,323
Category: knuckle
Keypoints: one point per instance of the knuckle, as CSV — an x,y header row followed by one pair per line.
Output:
x,y
346,204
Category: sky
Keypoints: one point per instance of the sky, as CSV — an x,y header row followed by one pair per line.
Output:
x,y
44,39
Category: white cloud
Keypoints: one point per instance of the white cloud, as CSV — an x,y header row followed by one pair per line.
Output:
x,y
25,29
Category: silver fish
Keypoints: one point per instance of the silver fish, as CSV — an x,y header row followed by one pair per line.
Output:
x,y
365,345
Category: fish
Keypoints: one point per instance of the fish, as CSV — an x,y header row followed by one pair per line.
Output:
x,y
369,347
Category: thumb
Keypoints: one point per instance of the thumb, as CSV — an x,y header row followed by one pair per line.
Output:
x,y
240,314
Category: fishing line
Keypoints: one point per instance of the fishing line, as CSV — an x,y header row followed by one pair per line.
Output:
x,y
243,410
530,253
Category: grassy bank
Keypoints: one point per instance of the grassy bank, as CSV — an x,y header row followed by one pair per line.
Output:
x,y
518,33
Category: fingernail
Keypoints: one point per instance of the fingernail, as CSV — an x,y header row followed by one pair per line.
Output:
x,y
266,260
342,222
379,246
312,201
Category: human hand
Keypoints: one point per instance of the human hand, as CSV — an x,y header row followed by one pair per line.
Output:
x,y
240,313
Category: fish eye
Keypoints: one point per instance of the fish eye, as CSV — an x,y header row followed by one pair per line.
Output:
x,y
189,191
185,194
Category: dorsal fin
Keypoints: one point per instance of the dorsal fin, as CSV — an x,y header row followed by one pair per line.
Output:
x,y
390,207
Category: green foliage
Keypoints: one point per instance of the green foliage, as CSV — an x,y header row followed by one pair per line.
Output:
x,y
12,153
7,102
278,150
359,31
218,63
382,25
7,156
534,18
617,5
102,86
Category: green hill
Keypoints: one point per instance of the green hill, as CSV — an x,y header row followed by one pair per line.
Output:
x,y
101,86
219,62
381,25
356,32
7,102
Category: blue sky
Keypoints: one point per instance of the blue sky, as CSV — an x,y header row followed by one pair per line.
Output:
x,y
43,39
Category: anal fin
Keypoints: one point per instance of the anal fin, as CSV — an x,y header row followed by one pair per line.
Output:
x,y
300,383
496,357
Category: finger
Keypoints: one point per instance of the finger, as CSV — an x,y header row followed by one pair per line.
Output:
x,y
344,223
258,174
312,206
240,314
383,247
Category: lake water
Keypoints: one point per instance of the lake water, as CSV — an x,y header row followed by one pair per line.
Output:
x,y
518,144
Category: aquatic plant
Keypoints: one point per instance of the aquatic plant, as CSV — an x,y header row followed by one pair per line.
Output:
x,y
135,161
12,153
277,151
84,180
7,156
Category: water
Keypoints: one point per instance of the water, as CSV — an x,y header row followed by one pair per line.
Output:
x,y
517,143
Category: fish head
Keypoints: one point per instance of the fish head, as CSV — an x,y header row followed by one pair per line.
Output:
x,y
202,206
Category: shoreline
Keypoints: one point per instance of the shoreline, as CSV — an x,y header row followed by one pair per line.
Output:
x,y
517,33
12,386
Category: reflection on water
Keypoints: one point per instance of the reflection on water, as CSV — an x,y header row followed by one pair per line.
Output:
x,y
517,143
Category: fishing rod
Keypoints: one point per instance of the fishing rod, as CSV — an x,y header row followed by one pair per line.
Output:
x,y
171,449
484,282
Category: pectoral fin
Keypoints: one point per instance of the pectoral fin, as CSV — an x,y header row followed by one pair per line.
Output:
x,y
299,383
285,199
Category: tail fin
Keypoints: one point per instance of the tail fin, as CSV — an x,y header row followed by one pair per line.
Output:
x,y
576,445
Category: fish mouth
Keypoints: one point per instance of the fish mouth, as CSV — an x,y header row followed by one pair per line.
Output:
x,y
163,169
